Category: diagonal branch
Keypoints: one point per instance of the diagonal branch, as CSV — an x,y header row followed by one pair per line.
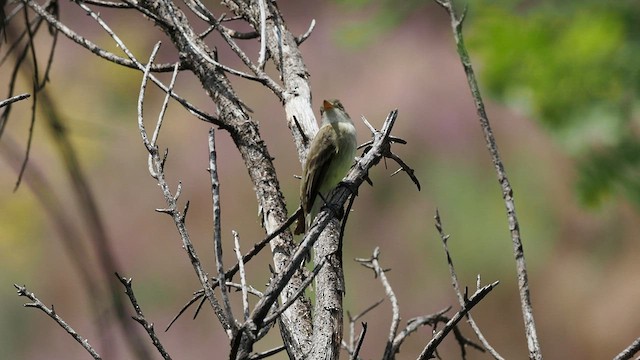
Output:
x,y
429,350
630,351
456,288
141,319
36,303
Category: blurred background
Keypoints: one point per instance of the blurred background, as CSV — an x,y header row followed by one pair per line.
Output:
x,y
560,81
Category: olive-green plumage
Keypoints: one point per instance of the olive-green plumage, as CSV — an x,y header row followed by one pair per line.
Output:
x,y
330,156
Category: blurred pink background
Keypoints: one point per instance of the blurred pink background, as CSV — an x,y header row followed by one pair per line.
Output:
x,y
583,263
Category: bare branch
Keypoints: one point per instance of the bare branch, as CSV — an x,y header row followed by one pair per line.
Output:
x,y
246,258
507,191
157,172
414,324
374,264
302,38
217,232
80,40
36,303
13,99
630,351
131,63
262,57
428,351
140,318
352,324
456,288
356,350
269,319
196,296
266,354
243,276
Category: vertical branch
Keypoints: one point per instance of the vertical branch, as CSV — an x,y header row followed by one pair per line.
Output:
x,y
243,276
217,230
507,191
374,264
156,169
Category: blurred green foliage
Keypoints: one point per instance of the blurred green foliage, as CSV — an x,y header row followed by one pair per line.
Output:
x,y
573,66
570,65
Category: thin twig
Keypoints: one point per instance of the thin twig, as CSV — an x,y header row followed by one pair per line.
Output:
x,y
352,322
246,258
428,351
157,172
80,40
306,35
507,191
374,264
243,276
262,57
356,351
196,296
456,287
271,318
34,104
132,62
165,104
109,4
13,99
414,324
141,319
267,353
36,303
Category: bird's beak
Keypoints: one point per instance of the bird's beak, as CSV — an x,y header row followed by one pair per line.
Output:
x,y
327,105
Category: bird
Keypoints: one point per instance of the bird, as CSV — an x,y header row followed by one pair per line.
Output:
x,y
331,154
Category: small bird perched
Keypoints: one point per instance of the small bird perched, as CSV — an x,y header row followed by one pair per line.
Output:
x,y
330,156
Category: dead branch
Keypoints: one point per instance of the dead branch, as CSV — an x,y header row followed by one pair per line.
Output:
x,y
36,303
507,191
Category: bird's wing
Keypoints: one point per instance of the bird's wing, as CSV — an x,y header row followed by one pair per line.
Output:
x,y
319,161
